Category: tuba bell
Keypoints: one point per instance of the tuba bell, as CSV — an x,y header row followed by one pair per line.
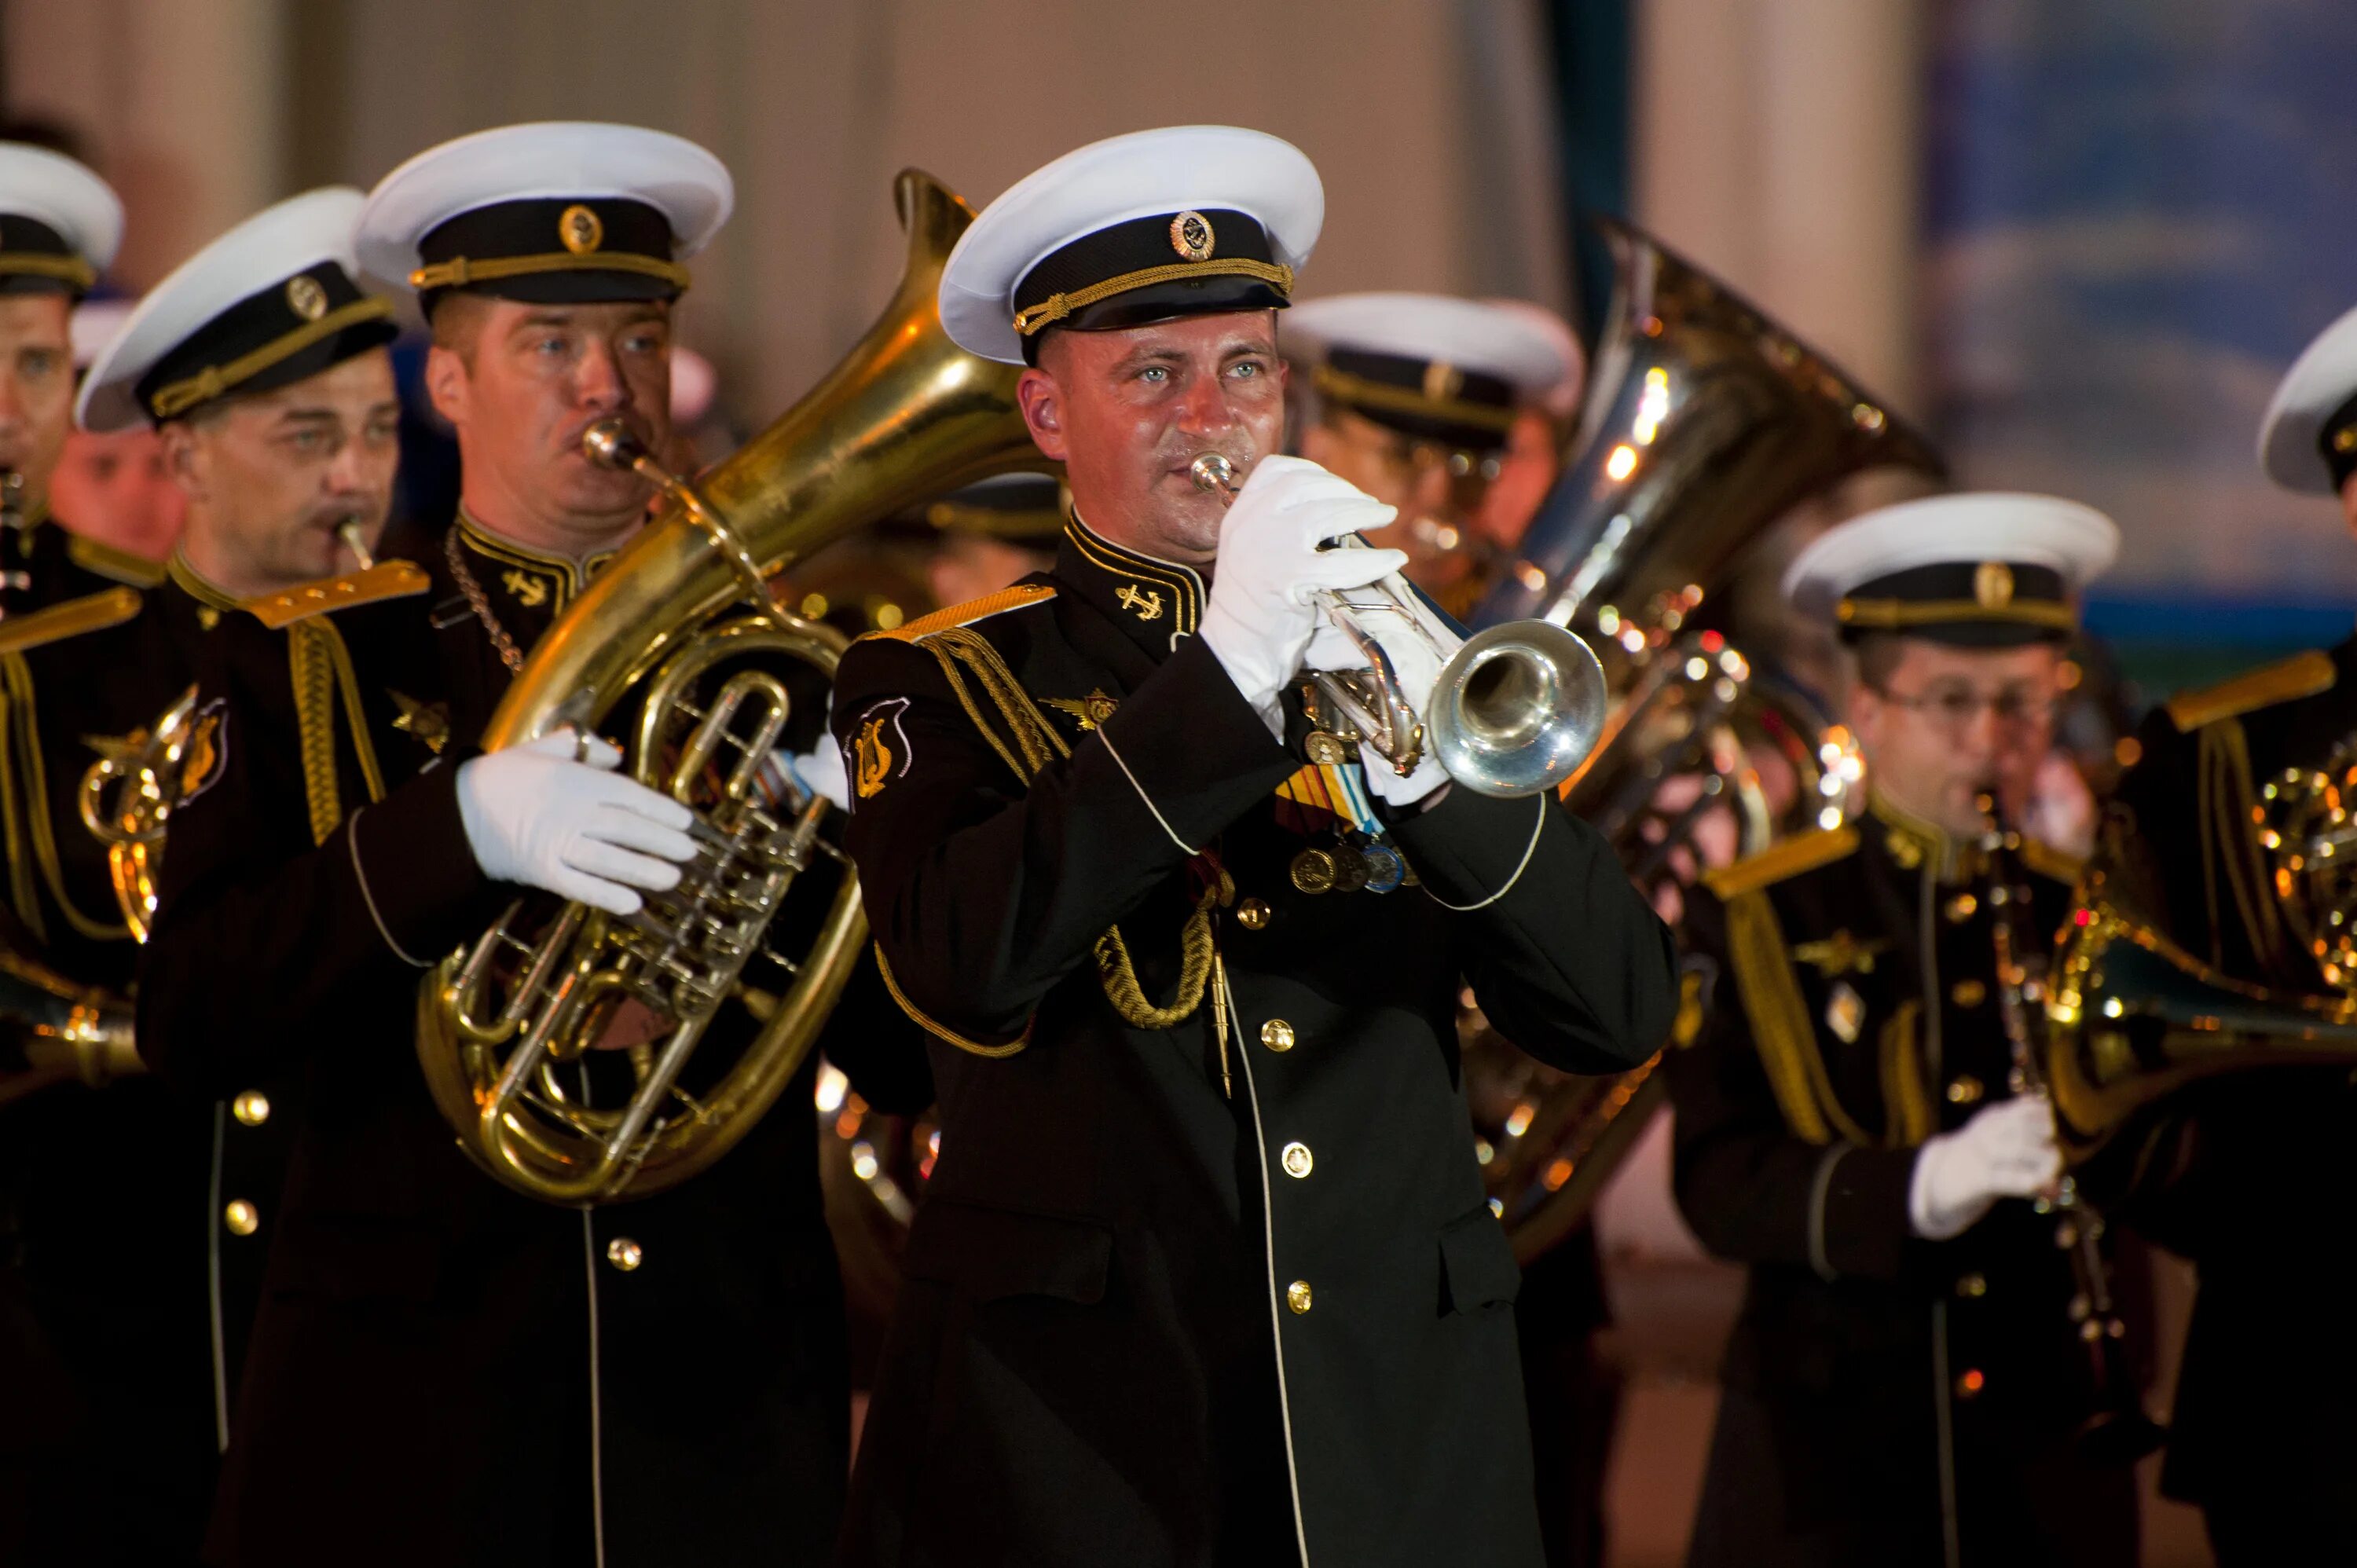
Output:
x,y
678,646
1705,422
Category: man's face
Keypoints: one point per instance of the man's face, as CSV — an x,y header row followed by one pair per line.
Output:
x,y
1436,489
35,386
533,379
119,490
1126,412
1949,725
274,477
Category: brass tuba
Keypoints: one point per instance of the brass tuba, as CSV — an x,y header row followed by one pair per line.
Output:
x,y
677,645
2134,1017
1705,422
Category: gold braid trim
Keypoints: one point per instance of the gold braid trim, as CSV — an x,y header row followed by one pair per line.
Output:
x,y
71,270
36,811
1902,1079
348,681
312,668
1781,1028
924,1021
1358,393
22,892
460,271
1896,615
1057,307
961,652
194,391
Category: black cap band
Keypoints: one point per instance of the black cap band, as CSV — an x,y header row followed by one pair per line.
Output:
x,y
2337,438
36,258
1430,400
291,331
553,251
1971,604
1152,269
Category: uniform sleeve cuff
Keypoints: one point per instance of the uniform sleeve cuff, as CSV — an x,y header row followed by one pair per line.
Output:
x,y
417,871
1857,1212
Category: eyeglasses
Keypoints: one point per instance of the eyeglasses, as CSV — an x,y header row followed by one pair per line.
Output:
x,y
1954,708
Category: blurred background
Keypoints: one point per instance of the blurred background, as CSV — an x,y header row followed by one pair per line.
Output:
x,y
2076,241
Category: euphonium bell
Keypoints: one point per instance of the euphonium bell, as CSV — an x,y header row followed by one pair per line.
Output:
x,y
1514,712
678,646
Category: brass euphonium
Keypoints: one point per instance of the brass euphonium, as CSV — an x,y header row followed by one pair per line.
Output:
x,y
2134,1017
677,644
1705,422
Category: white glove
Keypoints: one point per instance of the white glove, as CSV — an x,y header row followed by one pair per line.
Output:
x,y
820,770
2005,1151
1259,617
1415,662
536,816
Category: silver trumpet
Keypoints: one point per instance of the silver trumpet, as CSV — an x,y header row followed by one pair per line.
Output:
x,y
1516,710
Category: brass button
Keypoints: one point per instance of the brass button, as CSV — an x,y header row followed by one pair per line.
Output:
x,y
1964,1089
1971,1383
251,1108
1276,1034
1968,994
624,1253
1252,915
242,1217
1297,1159
1297,1296
1973,1286
1962,907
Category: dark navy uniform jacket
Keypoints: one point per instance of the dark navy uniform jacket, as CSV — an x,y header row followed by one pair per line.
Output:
x,y
1173,1299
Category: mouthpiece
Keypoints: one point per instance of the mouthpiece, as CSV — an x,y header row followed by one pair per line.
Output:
x,y
610,444
1214,472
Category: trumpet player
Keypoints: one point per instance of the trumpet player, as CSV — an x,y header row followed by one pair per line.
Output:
x,y
443,1371
1204,1273
1906,1382
2260,1434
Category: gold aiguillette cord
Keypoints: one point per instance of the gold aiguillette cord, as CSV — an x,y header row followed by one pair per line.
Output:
x,y
1220,1020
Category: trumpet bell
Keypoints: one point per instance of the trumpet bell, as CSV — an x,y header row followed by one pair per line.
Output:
x,y
1517,709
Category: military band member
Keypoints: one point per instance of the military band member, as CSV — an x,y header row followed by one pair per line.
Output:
x,y
2237,1173
444,1371
1905,1382
1204,1273
116,489
1416,397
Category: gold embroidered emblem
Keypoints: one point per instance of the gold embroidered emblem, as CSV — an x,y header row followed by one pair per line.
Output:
x,y
1144,603
1839,954
528,590
1090,711
1845,1012
581,230
306,299
429,722
1993,585
1191,236
875,759
1442,381
204,754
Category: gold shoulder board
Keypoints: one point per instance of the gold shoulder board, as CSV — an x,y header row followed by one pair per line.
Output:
x,y
1802,852
2050,862
966,614
92,612
108,562
385,580
2302,675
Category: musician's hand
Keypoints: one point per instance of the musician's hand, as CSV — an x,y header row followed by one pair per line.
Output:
x,y
1260,616
535,815
2006,1150
1416,664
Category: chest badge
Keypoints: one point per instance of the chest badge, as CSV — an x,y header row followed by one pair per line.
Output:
x,y
1146,604
429,722
1845,1012
529,591
1839,954
1089,712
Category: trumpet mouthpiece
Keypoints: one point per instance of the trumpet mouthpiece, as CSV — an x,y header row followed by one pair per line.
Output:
x,y
1214,472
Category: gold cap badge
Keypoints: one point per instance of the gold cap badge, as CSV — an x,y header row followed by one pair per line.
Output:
x,y
1191,236
581,230
306,299
1442,381
1993,585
